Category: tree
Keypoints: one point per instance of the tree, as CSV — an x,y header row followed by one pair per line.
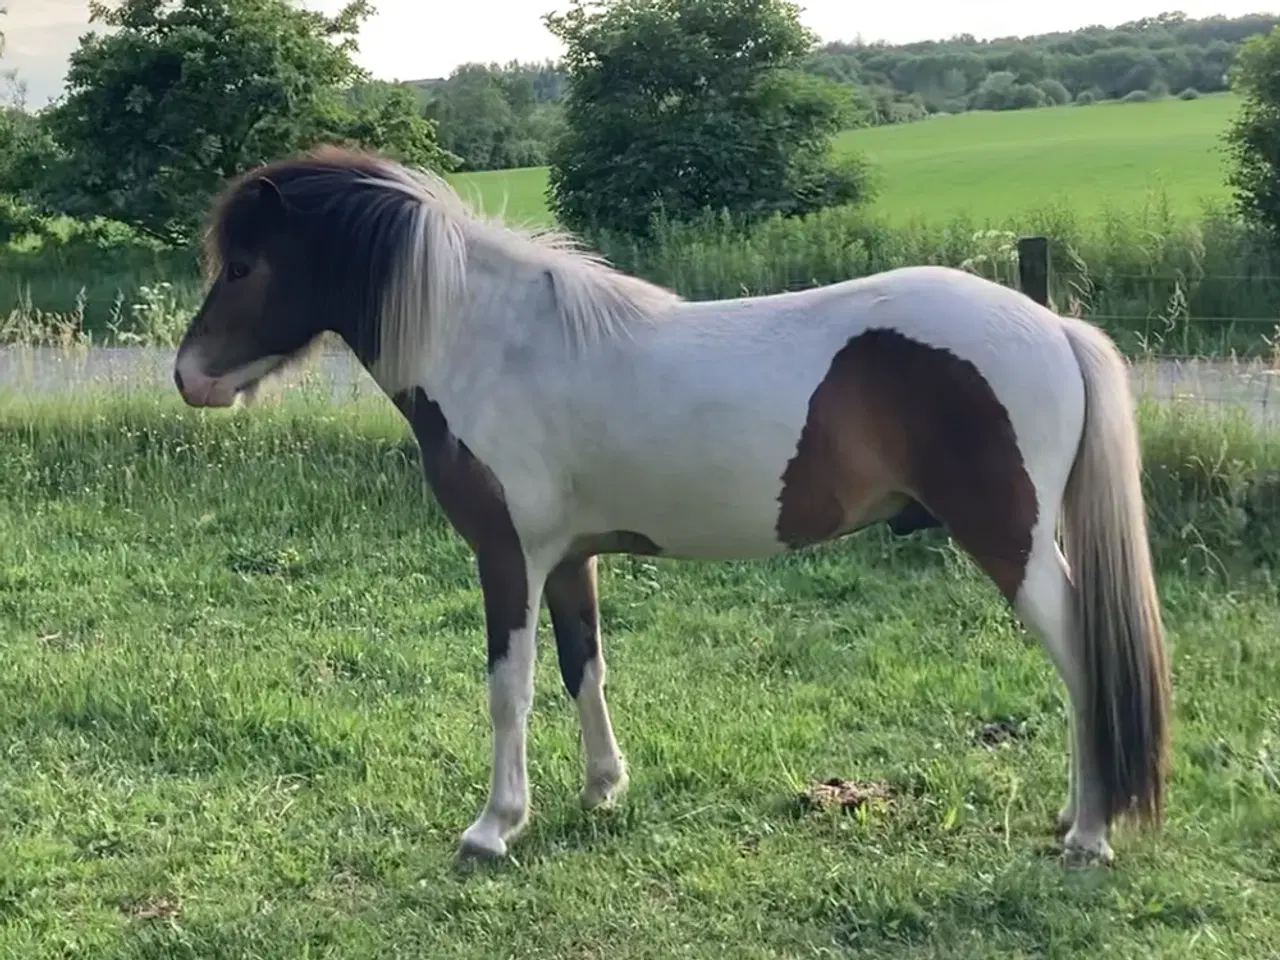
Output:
x,y
496,117
186,93
683,106
1003,91
17,134
16,90
1054,92
481,121
1253,137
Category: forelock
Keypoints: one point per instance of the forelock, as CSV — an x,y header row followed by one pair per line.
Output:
x,y
301,179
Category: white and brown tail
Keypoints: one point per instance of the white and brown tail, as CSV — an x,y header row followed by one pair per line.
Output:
x,y
1117,612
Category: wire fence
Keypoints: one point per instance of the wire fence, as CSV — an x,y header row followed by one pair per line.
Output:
x,y
1243,383
1188,339
1193,338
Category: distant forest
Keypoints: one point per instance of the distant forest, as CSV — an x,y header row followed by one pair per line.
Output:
x,y
498,116
1152,57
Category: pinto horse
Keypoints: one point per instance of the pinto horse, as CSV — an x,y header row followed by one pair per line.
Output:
x,y
565,410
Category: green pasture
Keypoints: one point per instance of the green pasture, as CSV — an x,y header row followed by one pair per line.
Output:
x,y
519,195
993,166
242,716
1092,159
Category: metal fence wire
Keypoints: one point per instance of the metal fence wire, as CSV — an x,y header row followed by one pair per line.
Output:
x,y
1239,372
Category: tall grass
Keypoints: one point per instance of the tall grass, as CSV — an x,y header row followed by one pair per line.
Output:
x,y
1159,281
1211,479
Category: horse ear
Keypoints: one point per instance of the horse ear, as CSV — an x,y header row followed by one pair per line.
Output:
x,y
270,201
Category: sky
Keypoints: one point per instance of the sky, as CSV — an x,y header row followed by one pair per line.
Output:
x,y
415,39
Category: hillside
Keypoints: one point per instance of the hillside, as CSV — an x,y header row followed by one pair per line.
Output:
x,y
993,165
1090,158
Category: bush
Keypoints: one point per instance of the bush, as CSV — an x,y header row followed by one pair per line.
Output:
x,y
817,181
906,111
1085,97
16,219
1191,93
1054,92
1027,96
994,92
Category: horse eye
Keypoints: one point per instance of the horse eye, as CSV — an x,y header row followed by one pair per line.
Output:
x,y
237,271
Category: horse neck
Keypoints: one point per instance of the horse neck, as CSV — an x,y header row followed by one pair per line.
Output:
x,y
503,327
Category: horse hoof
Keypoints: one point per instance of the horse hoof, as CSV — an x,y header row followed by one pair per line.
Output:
x,y
480,848
603,790
1092,853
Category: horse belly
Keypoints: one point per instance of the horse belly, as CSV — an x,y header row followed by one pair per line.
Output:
x,y
687,518
704,485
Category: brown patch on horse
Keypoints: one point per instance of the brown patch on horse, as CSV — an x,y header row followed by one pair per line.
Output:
x,y
472,499
896,421
572,599
571,596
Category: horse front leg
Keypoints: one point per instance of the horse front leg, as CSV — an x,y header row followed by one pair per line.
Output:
x,y
575,620
512,593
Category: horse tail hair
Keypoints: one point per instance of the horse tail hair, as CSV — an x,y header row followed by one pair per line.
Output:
x,y
1117,611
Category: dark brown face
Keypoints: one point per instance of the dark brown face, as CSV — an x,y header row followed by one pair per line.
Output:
x,y
260,311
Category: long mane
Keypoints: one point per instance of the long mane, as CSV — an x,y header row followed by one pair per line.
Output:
x,y
413,237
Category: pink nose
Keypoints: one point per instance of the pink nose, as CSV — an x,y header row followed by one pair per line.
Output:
x,y
199,390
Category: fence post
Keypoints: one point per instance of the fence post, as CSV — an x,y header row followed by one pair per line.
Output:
x,y
1033,268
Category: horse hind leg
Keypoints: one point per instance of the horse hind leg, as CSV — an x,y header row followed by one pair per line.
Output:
x,y
1007,523
1046,605
1037,586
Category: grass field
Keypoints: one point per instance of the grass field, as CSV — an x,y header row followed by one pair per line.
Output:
x,y
999,165
520,195
242,715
